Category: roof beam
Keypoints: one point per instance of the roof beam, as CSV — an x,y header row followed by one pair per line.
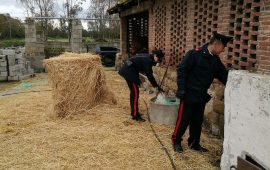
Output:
x,y
93,19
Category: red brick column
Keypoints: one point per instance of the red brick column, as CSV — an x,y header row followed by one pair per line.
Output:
x,y
123,36
190,25
151,29
168,5
263,51
223,23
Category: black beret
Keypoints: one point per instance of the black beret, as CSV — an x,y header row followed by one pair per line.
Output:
x,y
223,38
159,53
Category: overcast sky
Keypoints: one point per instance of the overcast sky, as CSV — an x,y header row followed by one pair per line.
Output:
x,y
13,8
16,10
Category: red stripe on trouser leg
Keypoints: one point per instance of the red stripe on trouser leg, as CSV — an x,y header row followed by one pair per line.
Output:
x,y
135,100
180,113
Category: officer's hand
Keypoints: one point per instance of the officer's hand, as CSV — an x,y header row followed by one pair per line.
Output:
x,y
160,89
231,68
180,94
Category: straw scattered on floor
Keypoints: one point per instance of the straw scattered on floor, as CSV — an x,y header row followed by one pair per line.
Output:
x,y
102,138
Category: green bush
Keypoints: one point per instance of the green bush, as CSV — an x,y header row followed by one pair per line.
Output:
x,y
57,39
12,43
87,40
101,40
53,51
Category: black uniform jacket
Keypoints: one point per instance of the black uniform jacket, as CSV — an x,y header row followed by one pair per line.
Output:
x,y
139,63
196,73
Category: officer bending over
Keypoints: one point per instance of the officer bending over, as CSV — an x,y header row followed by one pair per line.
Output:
x,y
130,71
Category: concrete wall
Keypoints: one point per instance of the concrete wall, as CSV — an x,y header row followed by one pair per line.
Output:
x,y
13,65
247,117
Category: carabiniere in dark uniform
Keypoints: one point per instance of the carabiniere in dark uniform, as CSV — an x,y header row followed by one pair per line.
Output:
x,y
130,71
194,77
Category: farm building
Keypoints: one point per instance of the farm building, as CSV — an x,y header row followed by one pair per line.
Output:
x,y
180,25
176,26
77,116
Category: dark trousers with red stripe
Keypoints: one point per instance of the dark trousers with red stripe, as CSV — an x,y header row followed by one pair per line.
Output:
x,y
134,97
189,114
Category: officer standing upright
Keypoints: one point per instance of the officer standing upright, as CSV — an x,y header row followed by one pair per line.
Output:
x,y
143,63
194,76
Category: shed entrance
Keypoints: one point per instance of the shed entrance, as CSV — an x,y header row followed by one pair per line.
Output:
x,y
137,33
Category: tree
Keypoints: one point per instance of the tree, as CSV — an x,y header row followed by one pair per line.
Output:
x,y
98,10
40,8
10,27
71,10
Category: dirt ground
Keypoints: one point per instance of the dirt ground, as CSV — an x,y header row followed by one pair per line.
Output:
x,y
105,137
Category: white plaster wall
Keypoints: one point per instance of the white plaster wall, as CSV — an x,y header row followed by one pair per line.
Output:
x,y
247,119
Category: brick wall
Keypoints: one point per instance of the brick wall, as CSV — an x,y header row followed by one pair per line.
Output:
x,y
123,36
167,29
151,30
190,25
223,20
205,20
177,26
178,31
263,50
244,25
158,26
160,17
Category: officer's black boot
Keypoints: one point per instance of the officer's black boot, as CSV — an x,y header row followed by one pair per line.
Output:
x,y
177,148
198,147
190,142
138,118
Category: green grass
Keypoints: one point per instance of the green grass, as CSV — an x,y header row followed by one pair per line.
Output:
x,y
21,42
88,40
12,42
51,39
85,39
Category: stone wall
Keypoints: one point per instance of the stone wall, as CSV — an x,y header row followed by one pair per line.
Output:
x,y
34,44
34,48
64,45
247,117
76,37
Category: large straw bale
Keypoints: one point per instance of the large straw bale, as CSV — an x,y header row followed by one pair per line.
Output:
x,y
78,83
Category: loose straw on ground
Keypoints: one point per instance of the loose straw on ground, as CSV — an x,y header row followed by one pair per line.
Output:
x,y
103,138
78,83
